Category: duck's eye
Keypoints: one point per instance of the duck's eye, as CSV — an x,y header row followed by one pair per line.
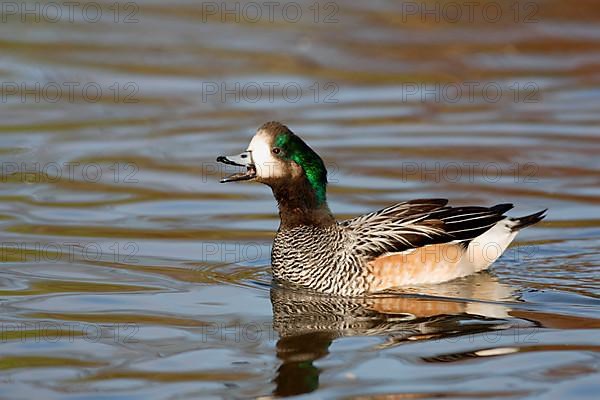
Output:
x,y
276,150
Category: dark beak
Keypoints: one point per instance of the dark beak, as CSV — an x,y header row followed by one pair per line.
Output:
x,y
241,160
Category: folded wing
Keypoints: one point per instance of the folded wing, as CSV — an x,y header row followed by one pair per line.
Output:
x,y
419,223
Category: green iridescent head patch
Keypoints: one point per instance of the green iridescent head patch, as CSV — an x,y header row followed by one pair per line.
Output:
x,y
296,150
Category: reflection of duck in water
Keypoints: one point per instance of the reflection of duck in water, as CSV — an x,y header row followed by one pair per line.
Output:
x,y
308,323
413,243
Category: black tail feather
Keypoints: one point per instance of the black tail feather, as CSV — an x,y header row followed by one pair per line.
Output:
x,y
527,220
502,208
466,223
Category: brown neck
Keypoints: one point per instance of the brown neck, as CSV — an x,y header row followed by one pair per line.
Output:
x,y
298,205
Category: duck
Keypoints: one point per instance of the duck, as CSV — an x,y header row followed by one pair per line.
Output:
x,y
412,243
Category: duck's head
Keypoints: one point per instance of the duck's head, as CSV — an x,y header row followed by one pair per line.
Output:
x,y
280,159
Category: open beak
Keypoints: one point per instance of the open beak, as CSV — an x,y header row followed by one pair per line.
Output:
x,y
241,160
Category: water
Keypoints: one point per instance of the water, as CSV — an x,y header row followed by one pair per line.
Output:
x,y
128,271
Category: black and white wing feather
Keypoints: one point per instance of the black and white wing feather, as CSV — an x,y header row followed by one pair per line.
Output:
x,y
418,223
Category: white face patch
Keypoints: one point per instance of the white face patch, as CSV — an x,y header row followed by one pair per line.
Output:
x,y
266,163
